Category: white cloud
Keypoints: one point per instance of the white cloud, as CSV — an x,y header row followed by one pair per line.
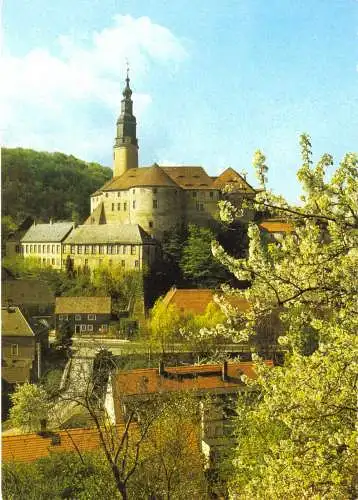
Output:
x,y
69,101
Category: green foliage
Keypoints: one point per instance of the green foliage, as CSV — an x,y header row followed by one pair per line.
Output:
x,y
171,465
165,324
198,263
30,406
48,185
298,440
71,477
64,335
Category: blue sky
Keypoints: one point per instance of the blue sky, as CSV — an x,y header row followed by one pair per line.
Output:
x,y
213,81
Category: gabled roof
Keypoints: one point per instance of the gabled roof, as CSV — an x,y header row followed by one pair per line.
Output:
x,y
14,324
234,179
276,226
98,216
86,305
26,291
109,233
196,300
43,233
190,177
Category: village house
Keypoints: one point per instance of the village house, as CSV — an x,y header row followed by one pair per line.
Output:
x,y
18,347
128,388
84,315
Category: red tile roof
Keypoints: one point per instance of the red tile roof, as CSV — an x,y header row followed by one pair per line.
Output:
x,y
196,300
178,378
30,447
275,226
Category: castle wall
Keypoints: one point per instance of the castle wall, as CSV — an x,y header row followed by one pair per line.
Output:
x,y
201,206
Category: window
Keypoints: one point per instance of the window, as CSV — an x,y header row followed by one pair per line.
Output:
x,y
211,194
119,194
125,206
91,317
109,249
155,190
48,249
150,223
63,317
90,328
114,249
39,250
124,249
53,262
73,248
53,249
79,248
133,249
194,194
133,191
14,349
101,249
112,207
31,248
155,203
104,328
118,206
77,317
87,248
133,204
83,328
106,195
136,264
200,207
94,249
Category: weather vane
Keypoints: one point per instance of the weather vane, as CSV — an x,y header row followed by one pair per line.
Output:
x,y
127,68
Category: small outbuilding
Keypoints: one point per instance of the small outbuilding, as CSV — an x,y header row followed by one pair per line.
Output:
x,y
84,315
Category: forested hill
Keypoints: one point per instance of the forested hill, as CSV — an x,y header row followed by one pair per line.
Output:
x,y
48,185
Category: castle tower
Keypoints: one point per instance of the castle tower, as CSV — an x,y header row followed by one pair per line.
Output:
x,y
126,144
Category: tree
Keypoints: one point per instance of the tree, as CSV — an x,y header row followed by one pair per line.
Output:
x,y
297,438
165,324
198,263
30,406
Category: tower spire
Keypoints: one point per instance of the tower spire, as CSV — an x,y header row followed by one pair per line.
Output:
x,y
126,143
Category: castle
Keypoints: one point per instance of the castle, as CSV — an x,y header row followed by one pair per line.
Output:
x,y
131,213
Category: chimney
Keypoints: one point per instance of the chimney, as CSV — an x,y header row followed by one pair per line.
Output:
x,y
161,368
224,372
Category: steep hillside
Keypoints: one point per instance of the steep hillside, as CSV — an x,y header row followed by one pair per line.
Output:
x,y
48,185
